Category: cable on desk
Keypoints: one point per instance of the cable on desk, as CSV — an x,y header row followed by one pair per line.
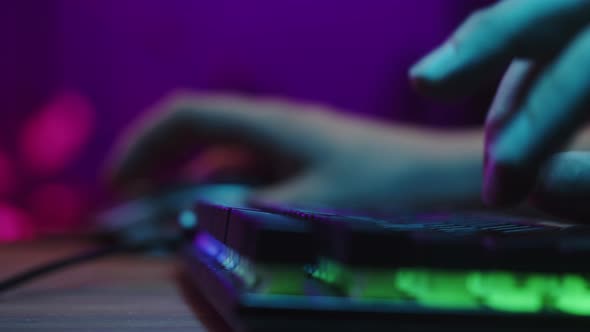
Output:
x,y
84,257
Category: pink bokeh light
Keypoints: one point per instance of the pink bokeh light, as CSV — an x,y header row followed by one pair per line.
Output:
x,y
55,135
15,224
57,207
7,176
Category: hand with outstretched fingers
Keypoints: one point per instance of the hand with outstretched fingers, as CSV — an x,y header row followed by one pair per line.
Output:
x,y
542,101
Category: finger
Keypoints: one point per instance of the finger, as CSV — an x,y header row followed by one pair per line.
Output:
x,y
552,111
513,89
563,187
172,131
490,38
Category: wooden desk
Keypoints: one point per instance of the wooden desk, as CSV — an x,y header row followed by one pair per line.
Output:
x,y
123,293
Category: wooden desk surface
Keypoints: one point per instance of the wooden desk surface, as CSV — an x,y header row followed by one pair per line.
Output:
x,y
122,293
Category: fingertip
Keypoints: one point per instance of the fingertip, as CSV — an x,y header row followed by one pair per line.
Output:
x,y
429,73
435,65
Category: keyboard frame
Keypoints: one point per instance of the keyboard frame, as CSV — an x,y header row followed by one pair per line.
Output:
x,y
247,310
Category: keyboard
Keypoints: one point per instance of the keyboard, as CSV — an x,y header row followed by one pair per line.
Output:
x,y
473,240
468,270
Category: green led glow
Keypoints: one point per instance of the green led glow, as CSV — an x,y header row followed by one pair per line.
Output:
x,y
542,283
515,301
370,285
572,284
502,291
444,289
496,290
438,289
572,295
284,280
331,273
484,284
574,304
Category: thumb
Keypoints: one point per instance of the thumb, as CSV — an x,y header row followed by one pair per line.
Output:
x,y
563,186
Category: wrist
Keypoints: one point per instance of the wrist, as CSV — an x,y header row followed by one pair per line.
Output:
x,y
461,171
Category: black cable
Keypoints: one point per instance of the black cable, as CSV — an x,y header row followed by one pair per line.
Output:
x,y
56,265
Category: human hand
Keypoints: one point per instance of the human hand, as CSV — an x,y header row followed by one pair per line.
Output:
x,y
342,161
542,101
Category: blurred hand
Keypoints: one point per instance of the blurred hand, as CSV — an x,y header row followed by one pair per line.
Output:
x,y
542,101
341,161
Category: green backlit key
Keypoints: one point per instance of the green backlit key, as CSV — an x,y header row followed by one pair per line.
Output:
x,y
446,290
505,291
463,290
572,295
